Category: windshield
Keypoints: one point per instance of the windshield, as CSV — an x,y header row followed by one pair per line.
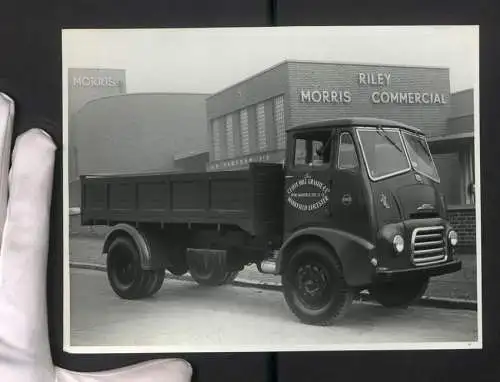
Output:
x,y
420,156
383,151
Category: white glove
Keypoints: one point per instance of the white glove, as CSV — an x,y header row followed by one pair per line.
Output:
x,y
25,196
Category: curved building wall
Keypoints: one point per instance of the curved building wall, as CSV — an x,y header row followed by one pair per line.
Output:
x,y
135,132
87,84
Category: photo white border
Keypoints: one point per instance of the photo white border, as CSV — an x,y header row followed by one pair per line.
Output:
x,y
447,345
66,217
477,194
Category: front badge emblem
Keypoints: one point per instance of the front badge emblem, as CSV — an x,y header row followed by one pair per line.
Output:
x,y
384,201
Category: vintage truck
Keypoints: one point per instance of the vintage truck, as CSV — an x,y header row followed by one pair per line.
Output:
x,y
354,207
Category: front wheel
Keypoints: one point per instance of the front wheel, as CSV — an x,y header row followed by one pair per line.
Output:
x,y
314,286
399,294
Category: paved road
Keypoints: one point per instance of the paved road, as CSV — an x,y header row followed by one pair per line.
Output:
x,y
185,314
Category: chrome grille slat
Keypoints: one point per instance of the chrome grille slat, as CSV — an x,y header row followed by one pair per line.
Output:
x,y
428,236
428,245
428,259
426,251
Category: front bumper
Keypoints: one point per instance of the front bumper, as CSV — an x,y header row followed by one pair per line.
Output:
x,y
428,270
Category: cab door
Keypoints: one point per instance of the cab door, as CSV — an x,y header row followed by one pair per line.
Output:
x,y
308,180
349,203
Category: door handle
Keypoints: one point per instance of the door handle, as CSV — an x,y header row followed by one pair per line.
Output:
x,y
288,176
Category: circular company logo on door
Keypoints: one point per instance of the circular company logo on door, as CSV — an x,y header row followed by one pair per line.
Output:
x,y
308,194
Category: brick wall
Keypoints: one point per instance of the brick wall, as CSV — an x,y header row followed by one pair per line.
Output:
x,y
463,218
431,118
258,88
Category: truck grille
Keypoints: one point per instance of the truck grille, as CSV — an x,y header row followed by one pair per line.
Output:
x,y
428,245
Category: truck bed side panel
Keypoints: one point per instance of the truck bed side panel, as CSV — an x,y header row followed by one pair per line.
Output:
x,y
268,194
234,197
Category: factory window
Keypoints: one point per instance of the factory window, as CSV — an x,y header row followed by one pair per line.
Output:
x,y
279,121
216,139
245,141
261,127
230,136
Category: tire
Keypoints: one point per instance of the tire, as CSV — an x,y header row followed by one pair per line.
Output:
x,y
231,276
315,266
155,282
125,275
210,273
399,294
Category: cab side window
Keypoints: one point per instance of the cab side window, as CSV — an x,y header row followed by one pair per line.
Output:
x,y
347,159
300,152
312,150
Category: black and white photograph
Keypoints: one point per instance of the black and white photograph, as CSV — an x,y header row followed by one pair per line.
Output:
x,y
271,189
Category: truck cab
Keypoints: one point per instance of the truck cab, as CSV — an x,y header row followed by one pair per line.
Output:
x,y
361,205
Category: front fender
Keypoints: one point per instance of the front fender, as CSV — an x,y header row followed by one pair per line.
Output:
x,y
136,236
353,252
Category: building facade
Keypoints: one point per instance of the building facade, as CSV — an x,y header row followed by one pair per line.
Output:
x,y
247,122
115,132
455,158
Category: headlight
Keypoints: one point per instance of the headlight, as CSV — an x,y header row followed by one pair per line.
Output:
x,y
453,238
399,243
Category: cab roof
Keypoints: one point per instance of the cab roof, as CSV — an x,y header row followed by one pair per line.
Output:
x,y
358,121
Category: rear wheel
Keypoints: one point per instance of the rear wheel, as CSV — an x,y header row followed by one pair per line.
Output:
x,y
125,274
208,270
399,294
154,283
314,287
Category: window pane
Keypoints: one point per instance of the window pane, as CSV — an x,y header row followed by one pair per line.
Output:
x,y
279,121
313,149
216,139
300,151
261,127
347,153
230,136
420,156
245,142
384,151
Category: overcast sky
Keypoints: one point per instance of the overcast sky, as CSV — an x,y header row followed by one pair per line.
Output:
x,y
208,60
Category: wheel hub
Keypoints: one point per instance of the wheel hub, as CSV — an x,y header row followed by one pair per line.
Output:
x,y
312,283
125,272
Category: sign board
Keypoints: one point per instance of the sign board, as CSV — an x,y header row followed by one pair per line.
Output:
x,y
415,95
382,94
94,82
277,156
